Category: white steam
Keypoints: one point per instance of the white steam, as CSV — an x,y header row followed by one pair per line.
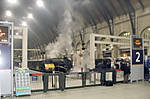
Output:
x,y
63,44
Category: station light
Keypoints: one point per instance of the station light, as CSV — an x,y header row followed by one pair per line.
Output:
x,y
24,23
30,16
17,33
40,3
8,13
149,29
13,1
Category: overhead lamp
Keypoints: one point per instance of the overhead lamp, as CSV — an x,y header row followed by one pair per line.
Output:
x,y
40,3
24,23
30,16
13,1
17,33
8,13
149,29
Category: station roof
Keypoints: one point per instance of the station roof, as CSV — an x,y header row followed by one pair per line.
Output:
x,y
43,29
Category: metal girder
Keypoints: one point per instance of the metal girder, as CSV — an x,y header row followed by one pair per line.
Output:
x,y
28,50
109,36
122,6
129,6
103,11
141,3
132,15
113,43
90,17
113,7
132,21
104,7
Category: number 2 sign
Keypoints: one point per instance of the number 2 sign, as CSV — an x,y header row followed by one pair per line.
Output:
x,y
137,57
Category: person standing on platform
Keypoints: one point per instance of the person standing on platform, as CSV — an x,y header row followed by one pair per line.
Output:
x,y
125,66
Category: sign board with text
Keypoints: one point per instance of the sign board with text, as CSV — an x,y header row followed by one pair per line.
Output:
x,y
22,79
137,58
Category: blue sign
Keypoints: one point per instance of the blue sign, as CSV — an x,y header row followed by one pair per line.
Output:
x,y
137,57
5,56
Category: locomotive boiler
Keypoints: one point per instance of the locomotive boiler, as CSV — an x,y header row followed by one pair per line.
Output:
x,y
49,65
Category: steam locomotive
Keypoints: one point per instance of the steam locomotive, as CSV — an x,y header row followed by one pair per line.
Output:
x,y
59,65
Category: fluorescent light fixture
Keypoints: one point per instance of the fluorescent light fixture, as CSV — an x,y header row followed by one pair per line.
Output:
x,y
40,3
30,16
13,1
8,13
24,23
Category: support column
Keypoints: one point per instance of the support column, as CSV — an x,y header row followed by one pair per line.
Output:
x,y
25,47
92,51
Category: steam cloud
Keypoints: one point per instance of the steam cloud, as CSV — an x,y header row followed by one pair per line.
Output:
x,y
63,44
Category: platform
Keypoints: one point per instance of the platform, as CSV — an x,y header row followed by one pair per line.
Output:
x,y
140,90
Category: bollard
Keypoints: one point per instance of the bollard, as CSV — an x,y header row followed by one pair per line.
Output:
x,y
90,77
45,82
103,78
83,79
52,81
55,81
61,81
114,76
94,78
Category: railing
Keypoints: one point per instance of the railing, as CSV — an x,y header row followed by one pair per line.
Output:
x,y
61,81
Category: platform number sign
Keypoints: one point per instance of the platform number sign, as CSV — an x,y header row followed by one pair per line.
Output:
x,y
137,57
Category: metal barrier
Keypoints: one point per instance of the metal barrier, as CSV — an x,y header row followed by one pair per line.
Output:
x,y
73,80
36,82
93,78
61,81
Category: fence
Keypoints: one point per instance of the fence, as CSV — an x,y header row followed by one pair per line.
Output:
x,y
61,81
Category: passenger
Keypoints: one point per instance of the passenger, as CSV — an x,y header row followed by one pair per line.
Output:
x,y
45,79
125,66
100,66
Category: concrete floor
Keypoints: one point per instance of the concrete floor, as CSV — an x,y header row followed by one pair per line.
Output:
x,y
140,90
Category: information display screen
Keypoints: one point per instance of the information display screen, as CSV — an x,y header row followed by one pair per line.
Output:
x,y
4,34
5,57
137,43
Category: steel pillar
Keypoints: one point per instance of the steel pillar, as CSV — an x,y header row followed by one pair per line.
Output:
x,y
25,47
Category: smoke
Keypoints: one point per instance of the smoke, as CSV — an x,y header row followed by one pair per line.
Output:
x,y
63,44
